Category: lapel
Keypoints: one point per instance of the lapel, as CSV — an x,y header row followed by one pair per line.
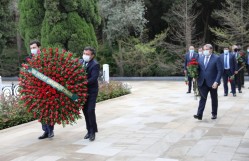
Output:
x,y
89,64
222,58
202,62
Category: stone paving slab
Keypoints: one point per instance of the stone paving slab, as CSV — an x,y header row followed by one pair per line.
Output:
x,y
154,123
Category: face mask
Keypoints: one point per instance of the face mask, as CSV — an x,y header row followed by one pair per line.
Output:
x,y
206,52
226,51
248,50
200,53
235,50
34,51
86,58
191,51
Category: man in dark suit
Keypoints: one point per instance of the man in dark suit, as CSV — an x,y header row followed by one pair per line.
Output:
x,y
35,48
188,57
247,60
230,67
210,72
240,60
92,69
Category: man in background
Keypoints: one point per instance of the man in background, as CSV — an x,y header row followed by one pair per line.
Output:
x,y
230,67
188,57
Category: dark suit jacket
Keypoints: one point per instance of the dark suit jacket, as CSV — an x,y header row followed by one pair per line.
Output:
x,y
232,62
212,73
187,59
247,56
92,70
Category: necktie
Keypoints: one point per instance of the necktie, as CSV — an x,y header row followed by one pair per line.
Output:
x,y
225,63
206,61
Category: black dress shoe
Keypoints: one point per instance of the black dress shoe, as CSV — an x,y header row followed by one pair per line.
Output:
x,y
188,92
92,137
234,95
87,136
240,91
44,136
50,135
198,117
214,117
225,94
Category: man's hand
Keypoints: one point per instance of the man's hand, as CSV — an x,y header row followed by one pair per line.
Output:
x,y
215,85
236,72
185,71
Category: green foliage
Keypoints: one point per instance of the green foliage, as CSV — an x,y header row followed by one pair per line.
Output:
x,y
10,61
31,17
145,59
112,90
104,56
5,24
122,18
233,21
60,23
11,114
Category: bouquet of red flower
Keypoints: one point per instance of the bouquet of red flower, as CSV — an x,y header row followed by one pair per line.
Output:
x,y
53,87
192,67
241,58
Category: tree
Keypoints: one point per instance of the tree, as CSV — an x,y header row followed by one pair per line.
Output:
x,y
181,19
233,22
32,14
70,24
121,19
5,24
60,23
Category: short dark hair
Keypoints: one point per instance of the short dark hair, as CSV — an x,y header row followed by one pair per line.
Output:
x,y
35,42
91,49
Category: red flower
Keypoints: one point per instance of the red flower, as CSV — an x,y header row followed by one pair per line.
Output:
x,y
44,101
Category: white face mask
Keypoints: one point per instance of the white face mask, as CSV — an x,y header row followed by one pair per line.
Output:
x,y
191,51
86,58
247,50
34,51
206,52
226,51
200,52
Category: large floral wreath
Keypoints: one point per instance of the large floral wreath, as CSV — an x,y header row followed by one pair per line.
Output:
x,y
53,87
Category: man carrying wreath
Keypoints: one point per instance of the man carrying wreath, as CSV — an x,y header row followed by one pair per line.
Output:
x,y
92,69
35,48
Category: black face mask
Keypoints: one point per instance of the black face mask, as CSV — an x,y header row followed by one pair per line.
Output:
x,y
235,50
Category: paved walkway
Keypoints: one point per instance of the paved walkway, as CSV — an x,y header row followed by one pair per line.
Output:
x,y
154,123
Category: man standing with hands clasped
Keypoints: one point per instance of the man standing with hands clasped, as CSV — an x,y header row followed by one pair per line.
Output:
x,y
229,63
210,72
92,69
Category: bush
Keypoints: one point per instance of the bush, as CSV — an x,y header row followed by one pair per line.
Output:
x,y
112,90
11,114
